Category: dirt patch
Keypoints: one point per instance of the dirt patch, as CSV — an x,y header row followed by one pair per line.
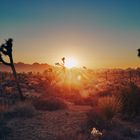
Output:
x,y
47,125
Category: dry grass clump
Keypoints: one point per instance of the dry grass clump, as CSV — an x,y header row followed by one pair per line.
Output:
x,y
101,116
96,119
21,109
109,106
49,104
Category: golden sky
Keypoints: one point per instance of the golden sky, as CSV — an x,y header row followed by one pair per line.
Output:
x,y
103,34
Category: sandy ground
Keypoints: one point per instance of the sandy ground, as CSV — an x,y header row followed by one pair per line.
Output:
x,y
48,125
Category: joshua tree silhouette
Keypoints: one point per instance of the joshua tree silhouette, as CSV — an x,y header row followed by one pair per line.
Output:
x,y
63,60
138,52
61,64
6,49
57,64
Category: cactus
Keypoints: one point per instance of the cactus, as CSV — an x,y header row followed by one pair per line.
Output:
x,y
6,49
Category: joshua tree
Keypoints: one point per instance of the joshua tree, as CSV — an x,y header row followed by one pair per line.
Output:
x,y
63,60
57,64
6,49
61,64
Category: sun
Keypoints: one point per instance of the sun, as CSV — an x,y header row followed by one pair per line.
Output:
x,y
70,62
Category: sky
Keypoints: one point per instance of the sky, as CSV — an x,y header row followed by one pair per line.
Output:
x,y
97,33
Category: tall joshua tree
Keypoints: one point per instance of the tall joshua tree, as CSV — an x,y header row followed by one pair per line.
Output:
x,y
6,49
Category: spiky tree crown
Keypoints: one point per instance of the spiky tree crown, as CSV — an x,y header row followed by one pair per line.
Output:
x,y
6,49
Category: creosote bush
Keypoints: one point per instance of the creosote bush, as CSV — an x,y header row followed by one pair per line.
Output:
x,y
49,104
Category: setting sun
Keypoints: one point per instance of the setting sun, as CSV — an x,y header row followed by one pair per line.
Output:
x,y
70,62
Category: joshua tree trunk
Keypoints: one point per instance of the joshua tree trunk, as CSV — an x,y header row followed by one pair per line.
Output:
x,y
6,49
16,78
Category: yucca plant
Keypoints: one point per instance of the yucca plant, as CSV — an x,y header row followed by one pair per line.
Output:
x,y
6,50
109,106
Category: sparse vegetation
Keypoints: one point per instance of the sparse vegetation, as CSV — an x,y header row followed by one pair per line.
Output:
x,y
49,104
46,94
21,110
96,119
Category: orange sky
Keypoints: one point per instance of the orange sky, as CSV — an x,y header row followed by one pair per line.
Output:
x,y
103,34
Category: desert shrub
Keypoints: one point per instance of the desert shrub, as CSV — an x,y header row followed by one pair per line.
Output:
x,y
130,98
96,119
109,106
50,103
86,101
21,109
71,97
110,130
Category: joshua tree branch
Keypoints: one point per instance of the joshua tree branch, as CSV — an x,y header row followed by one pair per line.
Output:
x,y
2,49
5,63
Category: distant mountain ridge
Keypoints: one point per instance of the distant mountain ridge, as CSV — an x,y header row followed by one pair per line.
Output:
x,y
22,67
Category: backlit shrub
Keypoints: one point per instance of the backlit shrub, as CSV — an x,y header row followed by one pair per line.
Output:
x,y
50,104
109,106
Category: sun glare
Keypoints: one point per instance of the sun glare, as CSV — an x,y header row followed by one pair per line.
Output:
x,y
70,62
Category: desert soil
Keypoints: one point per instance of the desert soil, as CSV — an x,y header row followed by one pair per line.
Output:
x,y
48,125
